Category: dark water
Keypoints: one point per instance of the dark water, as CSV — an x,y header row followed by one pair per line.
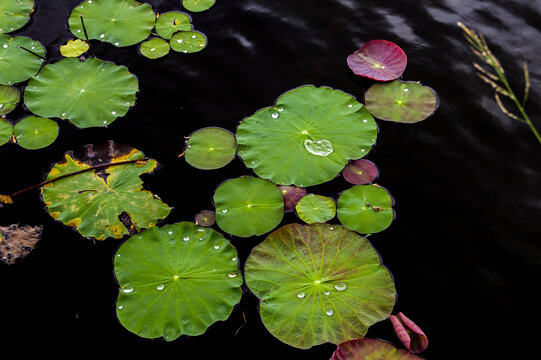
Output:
x,y
464,248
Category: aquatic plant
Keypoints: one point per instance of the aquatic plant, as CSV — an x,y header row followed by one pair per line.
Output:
x,y
9,98
210,148
188,41
154,48
380,60
411,335
205,218
360,172
17,241
314,208
21,57
198,5
172,22
33,132
14,14
74,48
364,349
292,195
6,131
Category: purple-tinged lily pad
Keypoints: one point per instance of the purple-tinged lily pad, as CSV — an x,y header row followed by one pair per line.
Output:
x,y
411,335
369,349
205,218
380,60
292,195
360,172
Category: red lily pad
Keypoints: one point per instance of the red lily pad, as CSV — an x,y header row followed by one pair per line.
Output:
x,y
368,349
360,172
380,60
292,195
411,335
205,218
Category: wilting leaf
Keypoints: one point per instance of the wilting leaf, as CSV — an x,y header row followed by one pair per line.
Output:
x,y
17,241
74,48
379,60
154,48
292,195
413,338
198,5
34,132
6,131
205,218
188,41
103,203
406,102
318,283
87,93
248,206
360,172
14,14
371,349
316,208
307,137
176,280
171,22
210,148
17,64
9,98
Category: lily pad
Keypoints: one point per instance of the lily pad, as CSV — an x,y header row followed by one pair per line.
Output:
x,y
96,93
107,202
316,208
119,22
210,148
367,349
198,5
154,48
74,48
307,137
14,14
405,102
17,64
360,172
205,218
6,131
190,281
188,41
248,206
34,132
379,60
171,22
292,195
366,209
9,98
318,283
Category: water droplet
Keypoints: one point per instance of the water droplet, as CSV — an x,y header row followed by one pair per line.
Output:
x,y
160,287
383,66
350,105
102,36
406,89
1,106
113,112
224,211
321,147
170,232
216,247
105,122
281,109
201,230
365,120
362,150
5,46
63,114
117,43
301,294
327,293
329,312
275,115
373,140
127,289
79,30
194,36
340,286
232,274
120,307
152,49
234,259
331,228
179,41
186,238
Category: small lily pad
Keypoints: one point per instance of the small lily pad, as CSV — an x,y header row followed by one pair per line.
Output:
x,y
177,280
9,98
411,335
368,349
154,48
405,102
14,14
210,148
74,48
17,64
292,195
316,208
205,218
198,5
188,41
360,172
379,60
34,132
171,22
366,209
248,206
6,131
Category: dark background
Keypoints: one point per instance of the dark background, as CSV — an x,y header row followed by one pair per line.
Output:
x,y
464,248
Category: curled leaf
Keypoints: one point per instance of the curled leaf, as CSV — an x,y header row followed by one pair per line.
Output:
x,y
17,241
74,48
371,349
411,335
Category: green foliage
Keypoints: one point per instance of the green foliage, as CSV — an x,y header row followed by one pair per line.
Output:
x,y
6,131
198,5
210,148
315,208
74,48
34,132
367,349
9,98
16,63
154,48
14,14
171,22
188,41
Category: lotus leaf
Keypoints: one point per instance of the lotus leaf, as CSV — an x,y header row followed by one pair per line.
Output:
x,y
318,283
96,93
9,98
379,60
14,14
171,22
74,48
292,195
210,148
205,218
360,172
119,22
198,5
16,63
106,202
307,137
34,132
316,208
154,48
176,280
248,206
366,209
188,41
405,102
371,349
6,131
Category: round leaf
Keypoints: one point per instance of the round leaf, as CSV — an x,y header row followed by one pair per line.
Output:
x,y
14,14
198,5
119,22
171,22
379,60
307,137
366,209
318,283
34,132
360,172
205,218
74,48
17,64
87,93
292,195
316,208
364,349
154,48
190,281
6,131
9,98
248,206
188,41
103,203
210,148
405,102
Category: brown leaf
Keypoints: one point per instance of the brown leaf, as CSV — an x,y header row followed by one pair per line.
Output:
x,y
17,242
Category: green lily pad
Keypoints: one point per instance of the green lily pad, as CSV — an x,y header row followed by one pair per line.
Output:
x,y
34,132
119,22
6,131
154,48
210,148
74,48
366,209
198,5
307,137
14,14
190,281
248,206
9,98
103,203
87,93
368,349
405,102
315,208
171,22
188,41
318,283
17,64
